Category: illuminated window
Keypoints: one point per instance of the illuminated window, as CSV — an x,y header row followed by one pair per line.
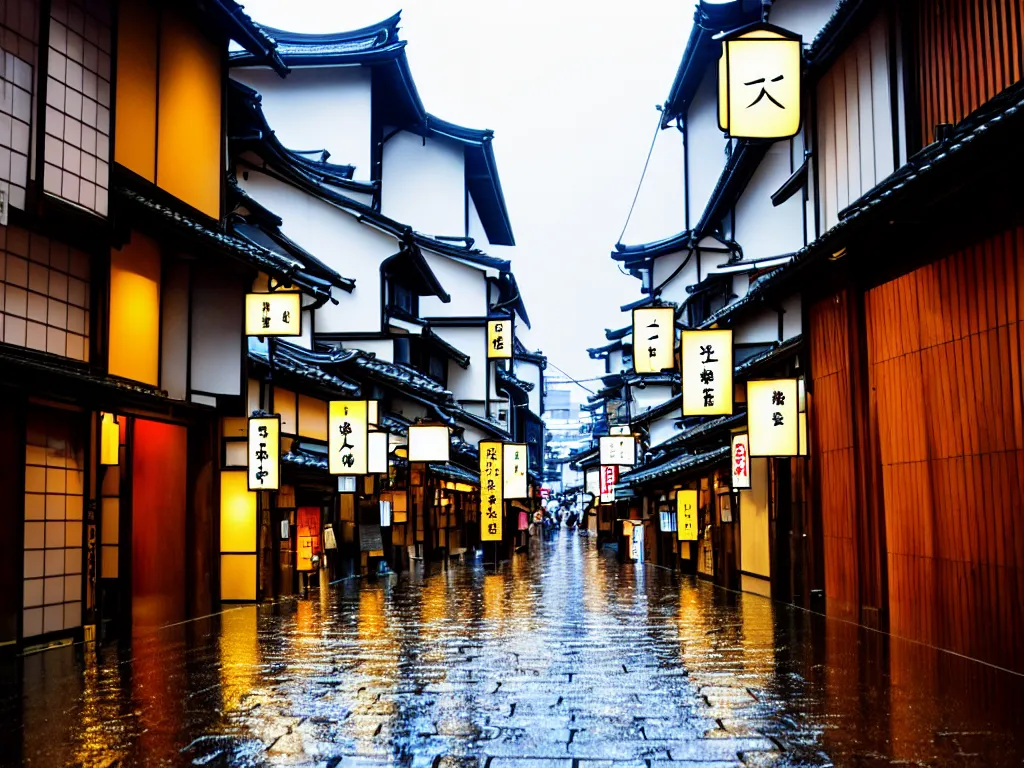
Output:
x,y
77,144
19,30
54,479
44,295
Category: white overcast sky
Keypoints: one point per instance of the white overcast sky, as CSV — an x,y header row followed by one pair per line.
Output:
x,y
569,88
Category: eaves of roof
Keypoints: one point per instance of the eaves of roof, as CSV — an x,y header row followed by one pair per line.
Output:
x,y
486,425
305,459
459,357
706,430
776,354
978,145
618,333
847,21
305,367
672,404
400,377
379,46
413,271
454,473
701,50
596,352
653,249
197,234
739,168
676,468
260,46
512,380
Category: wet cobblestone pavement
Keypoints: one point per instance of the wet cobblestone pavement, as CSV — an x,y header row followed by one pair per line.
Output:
x,y
566,658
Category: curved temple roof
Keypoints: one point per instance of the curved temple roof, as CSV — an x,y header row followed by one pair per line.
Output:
x,y
379,46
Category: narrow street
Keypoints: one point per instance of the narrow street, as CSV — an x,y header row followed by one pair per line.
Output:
x,y
564,656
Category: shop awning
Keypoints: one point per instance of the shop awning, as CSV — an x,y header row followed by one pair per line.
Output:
x,y
455,473
676,468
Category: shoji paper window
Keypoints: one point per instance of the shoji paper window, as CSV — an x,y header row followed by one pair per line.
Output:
x,y
54,479
19,30
77,144
44,295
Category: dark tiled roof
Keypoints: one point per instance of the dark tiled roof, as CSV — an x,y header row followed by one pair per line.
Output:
x,y
298,457
778,352
672,404
739,168
514,381
706,430
401,376
457,355
284,268
653,249
260,46
379,46
306,365
675,467
596,352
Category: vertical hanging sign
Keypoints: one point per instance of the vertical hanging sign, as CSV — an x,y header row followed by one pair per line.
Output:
x,y
499,339
686,515
347,437
264,453
514,467
491,502
609,477
707,373
654,339
772,423
740,462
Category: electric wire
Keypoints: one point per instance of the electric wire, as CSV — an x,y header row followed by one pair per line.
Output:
x,y
647,162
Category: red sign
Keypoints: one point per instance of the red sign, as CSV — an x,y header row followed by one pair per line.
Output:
x,y
609,477
740,462
544,493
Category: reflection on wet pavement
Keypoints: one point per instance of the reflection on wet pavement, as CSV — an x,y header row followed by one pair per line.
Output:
x,y
567,657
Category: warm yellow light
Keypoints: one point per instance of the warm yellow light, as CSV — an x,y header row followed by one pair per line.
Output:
x,y
464,488
772,420
492,508
802,418
347,437
264,453
377,459
654,339
429,442
373,412
759,74
499,339
273,314
110,440
707,365
686,515
514,463
134,327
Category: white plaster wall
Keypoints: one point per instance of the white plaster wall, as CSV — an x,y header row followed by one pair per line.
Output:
x,y
407,409
762,328
663,428
792,320
706,154
531,372
615,361
472,435
675,289
423,184
465,284
469,383
762,229
384,349
335,237
710,261
649,397
318,108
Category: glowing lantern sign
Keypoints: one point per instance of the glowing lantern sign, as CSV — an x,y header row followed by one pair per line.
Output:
x,y
492,506
617,450
377,456
514,464
499,339
772,423
707,373
264,453
429,442
654,339
686,514
347,437
110,440
759,95
740,462
273,314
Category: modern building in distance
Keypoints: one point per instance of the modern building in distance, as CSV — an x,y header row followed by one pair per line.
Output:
x,y
568,433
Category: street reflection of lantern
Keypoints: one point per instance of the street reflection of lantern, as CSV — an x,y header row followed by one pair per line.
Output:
x,y
514,462
759,73
499,339
273,314
772,418
686,515
429,442
654,339
706,358
346,437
